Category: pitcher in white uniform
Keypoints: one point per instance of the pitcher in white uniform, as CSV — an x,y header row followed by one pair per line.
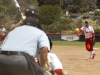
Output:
x,y
89,36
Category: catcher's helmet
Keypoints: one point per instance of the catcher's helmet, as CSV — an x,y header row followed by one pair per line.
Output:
x,y
31,11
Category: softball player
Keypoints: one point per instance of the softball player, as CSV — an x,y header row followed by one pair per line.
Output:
x,y
55,63
53,66
89,36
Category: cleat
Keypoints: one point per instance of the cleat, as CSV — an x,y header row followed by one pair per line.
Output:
x,y
93,56
90,58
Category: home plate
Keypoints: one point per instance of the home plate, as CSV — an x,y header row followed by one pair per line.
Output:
x,y
95,48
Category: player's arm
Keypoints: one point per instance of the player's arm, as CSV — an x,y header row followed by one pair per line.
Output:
x,y
93,38
44,48
18,24
79,31
15,25
93,33
43,56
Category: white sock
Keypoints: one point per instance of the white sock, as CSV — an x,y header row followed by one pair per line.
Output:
x,y
91,53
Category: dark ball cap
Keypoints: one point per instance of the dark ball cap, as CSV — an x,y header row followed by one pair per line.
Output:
x,y
31,11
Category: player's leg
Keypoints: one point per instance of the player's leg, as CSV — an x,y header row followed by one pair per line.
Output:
x,y
91,49
87,44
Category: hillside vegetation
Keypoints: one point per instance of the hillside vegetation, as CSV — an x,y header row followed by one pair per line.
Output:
x,y
53,16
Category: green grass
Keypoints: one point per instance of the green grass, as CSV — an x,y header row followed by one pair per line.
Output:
x,y
72,43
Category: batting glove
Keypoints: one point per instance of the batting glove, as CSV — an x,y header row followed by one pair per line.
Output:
x,y
22,19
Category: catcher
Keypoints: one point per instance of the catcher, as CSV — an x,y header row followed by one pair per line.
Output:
x,y
53,65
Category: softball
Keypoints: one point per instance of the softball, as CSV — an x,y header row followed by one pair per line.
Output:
x,y
76,29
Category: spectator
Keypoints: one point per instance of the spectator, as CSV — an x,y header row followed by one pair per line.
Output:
x,y
3,32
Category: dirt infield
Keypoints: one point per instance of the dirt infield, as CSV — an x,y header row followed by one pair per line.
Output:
x,y
75,60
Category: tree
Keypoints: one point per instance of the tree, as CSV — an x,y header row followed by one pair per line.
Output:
x,y
76,5
2,8
49,14
98,4
92,4
6,2
48,2
1,1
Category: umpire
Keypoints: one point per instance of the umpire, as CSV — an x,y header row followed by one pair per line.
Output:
x,y
20,47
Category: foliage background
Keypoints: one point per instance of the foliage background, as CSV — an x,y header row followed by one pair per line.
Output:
x,y
53,18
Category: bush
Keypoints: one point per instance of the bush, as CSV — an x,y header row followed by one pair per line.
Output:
x,y
12,8
49,14
94,18
53,28
97,31
82,10
64,25
97,13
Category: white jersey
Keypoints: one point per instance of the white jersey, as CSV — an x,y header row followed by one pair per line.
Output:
x,y
87,31
54,61
26,39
